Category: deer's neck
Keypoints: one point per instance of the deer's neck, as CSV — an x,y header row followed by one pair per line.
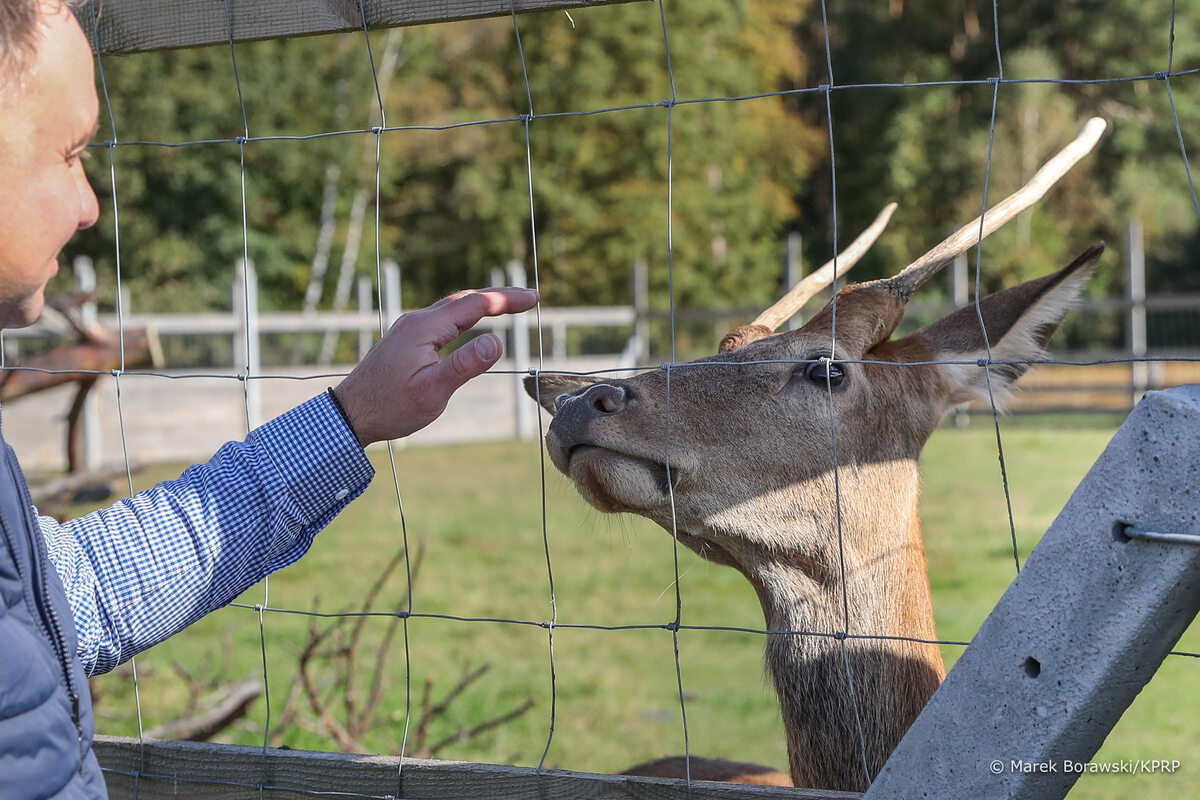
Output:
x,y
847,701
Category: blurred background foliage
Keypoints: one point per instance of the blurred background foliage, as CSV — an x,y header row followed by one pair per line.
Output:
x,y
455,198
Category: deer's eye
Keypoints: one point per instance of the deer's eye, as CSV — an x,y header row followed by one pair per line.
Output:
x,y
824,372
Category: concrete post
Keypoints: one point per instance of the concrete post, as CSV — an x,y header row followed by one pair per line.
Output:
x,y
1078,633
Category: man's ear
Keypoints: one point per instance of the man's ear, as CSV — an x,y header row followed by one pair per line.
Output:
x,y
547,388
1019,323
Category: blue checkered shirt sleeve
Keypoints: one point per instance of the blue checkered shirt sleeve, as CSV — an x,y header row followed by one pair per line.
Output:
x,y
147,567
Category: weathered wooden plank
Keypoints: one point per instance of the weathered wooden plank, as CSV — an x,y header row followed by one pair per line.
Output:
x,y
193,770
130,26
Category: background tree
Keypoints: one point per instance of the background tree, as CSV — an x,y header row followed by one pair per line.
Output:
x,y
927,146
455,202
455,199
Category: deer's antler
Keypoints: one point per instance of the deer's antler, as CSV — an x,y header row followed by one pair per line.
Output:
x,y
912,277
909,279
766,322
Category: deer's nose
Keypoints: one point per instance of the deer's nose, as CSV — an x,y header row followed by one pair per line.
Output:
x,y
599,398
605,398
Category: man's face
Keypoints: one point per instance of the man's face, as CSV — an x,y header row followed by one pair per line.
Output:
x,y
44,195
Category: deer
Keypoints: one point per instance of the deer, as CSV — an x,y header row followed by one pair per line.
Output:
x,y
792,457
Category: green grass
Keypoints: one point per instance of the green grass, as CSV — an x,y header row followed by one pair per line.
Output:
x,y
476,514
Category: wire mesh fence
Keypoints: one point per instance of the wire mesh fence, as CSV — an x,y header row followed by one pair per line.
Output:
x,y
677,628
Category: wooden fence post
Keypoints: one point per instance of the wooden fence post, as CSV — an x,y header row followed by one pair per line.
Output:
x,y
640,346
246,357
1135,318
365,305
793,271
85,282
526,429
960,282
392,298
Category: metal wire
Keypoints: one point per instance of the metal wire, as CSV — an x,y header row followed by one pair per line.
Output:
x,y
94,18
683,101
837,484
527,121
533,244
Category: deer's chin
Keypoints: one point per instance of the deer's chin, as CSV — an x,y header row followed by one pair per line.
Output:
x,y
615,482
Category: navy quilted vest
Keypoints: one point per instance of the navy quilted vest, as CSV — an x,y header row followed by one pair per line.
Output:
x,y
45,710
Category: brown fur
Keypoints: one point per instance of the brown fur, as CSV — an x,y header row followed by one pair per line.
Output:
x,y
711,769
745,474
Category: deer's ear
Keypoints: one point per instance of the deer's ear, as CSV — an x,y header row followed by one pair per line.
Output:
x,y
1019,323
547,388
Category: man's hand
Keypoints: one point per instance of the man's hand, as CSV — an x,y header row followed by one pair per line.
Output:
x,y
401,385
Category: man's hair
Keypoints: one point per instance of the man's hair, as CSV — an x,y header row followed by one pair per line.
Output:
x,y
19,22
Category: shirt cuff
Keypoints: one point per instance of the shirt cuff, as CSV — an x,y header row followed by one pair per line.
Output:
x,y
321,462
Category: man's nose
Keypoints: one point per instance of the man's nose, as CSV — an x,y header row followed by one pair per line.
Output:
x,y
89,205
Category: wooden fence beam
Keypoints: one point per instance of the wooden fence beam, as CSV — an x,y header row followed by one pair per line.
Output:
x,y
131,26
193,770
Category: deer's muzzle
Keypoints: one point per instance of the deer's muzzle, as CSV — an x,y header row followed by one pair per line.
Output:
x,y
576,416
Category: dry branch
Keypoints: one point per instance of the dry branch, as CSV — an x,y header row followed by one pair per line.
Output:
x,y
202,727
431,711
327,677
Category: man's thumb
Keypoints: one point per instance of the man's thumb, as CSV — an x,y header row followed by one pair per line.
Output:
x,y
470,360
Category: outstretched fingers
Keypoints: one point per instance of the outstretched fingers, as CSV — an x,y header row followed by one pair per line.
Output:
x,y
460,312
402,385
465,309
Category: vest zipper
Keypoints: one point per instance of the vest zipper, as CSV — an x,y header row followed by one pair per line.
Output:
x,y
39,557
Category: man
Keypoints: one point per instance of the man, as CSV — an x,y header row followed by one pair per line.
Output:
x,y
80,598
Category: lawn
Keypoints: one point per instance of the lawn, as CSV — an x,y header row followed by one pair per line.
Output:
x,y
475,514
